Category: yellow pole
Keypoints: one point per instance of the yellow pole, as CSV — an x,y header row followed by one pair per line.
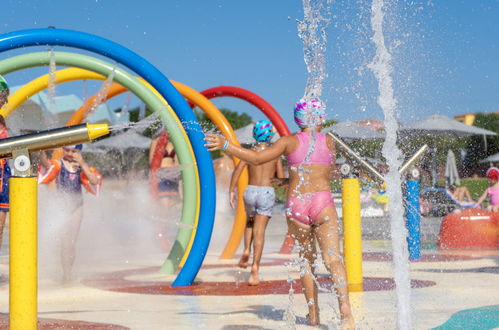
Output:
x,y
352,233
23,253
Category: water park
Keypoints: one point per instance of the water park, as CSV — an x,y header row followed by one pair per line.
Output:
x,y
218,200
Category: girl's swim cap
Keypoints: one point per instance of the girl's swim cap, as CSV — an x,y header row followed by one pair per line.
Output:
x,y
76,146
309,113
263,131
3,84
493,173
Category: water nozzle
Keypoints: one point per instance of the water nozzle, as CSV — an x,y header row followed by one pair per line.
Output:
x,y
51,139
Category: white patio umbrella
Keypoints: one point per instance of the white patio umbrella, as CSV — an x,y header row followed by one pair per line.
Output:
x,y
442,126
491,159
451,174
353,131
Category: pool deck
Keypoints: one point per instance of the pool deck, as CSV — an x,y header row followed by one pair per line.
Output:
x,y
121,293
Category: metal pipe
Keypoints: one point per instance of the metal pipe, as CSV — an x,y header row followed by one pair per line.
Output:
x,y
371,171
53,138
413,159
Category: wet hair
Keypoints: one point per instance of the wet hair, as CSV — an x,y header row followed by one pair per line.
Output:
x,y
2,121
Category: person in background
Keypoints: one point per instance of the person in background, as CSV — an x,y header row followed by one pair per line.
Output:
x,y
492,191
168,183
310,206
460,194
70,173
259,198
5,171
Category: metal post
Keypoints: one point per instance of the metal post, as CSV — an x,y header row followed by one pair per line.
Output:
x,y
352,231
23,259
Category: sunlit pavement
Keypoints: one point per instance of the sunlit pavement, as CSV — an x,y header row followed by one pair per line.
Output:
x,y
127,291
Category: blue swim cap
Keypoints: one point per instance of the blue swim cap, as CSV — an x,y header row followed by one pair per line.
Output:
x,y
263,131
76,146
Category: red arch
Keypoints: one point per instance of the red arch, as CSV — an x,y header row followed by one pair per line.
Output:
x,y
269,111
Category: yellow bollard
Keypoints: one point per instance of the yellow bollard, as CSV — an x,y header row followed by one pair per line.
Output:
x,y
23,253
352,233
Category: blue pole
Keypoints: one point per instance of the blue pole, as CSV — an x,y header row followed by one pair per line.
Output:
x,y
104,47
413,219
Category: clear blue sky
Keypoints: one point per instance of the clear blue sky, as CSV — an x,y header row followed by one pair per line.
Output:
x,y
446,52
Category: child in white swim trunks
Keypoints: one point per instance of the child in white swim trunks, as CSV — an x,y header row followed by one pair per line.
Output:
x,y
259,198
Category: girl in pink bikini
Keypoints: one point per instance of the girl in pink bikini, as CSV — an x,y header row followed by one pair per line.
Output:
x,y
310,208
492,191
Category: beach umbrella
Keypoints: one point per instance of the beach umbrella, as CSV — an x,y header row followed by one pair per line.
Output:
x,y
451,174
353,131
437,125
245,135
491,159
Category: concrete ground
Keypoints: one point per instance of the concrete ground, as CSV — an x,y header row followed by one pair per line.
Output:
x,y
120,288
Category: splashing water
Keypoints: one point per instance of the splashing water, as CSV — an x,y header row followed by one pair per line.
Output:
x,y
52,80
101,94
312,31
382,68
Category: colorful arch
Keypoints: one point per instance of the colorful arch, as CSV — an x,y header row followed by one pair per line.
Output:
x,y
269,111
104,47
181,246
215,116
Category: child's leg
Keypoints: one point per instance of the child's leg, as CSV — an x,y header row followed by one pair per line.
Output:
x,y
68,246
259,227
3,216
248,238
305,239
327,234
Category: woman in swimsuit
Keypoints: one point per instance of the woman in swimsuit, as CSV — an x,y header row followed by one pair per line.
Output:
x,y
492,191
168,184
310,208
5,172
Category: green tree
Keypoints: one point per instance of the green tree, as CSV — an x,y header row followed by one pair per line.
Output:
x,y
480,147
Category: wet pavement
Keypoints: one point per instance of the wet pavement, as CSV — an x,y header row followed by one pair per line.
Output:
x,y
119,288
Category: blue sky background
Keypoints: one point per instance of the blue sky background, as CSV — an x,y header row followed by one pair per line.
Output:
x,y
446,52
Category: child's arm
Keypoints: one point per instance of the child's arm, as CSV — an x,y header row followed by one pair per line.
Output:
x,y
152,148
92,178
280,169
233,181
482,198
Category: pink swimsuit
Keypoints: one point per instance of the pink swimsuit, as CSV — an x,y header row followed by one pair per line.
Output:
x,y
306,208
494,195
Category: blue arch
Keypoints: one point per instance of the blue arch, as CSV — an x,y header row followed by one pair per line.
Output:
x,y
126,57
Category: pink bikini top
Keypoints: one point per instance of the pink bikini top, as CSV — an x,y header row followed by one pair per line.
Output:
x,y
321,154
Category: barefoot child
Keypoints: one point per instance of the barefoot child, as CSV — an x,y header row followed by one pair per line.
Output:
x,y
310,208
259,198
70,174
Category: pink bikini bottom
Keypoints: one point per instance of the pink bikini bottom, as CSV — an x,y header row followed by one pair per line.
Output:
x,y
306,208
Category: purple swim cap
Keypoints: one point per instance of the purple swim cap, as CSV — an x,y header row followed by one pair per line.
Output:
x,y
309,113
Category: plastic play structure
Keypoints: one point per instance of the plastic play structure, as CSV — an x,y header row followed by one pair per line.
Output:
x,y
86,67
161,83
469,229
